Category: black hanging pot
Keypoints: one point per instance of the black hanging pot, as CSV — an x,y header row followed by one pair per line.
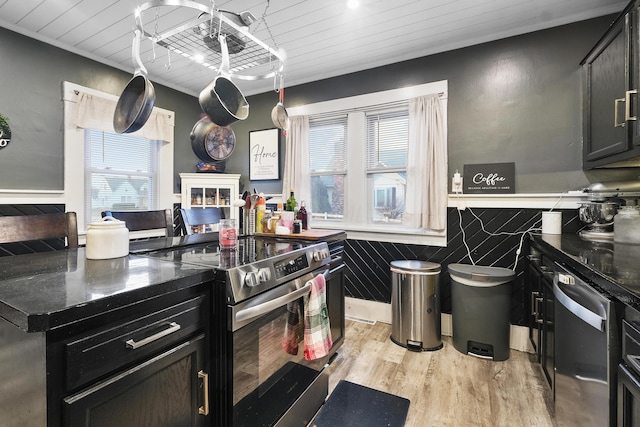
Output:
x,y
136,101
212,142
221,99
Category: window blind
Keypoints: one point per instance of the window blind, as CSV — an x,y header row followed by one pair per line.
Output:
x,y
120,173
328,144
387,140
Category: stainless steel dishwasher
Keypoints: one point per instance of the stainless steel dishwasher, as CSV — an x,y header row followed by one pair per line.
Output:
x,y
585,340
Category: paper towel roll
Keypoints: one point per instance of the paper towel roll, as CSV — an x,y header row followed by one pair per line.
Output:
x,y
551,222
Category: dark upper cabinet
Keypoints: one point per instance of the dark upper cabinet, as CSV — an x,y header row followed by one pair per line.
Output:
x,y
611,133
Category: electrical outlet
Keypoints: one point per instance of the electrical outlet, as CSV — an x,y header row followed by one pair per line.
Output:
x,y
456,183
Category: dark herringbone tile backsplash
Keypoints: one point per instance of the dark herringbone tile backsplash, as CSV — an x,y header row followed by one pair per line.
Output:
x,y
368,275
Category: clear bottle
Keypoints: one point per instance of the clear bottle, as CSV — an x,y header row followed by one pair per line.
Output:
x,y
261,207
302,215
291,202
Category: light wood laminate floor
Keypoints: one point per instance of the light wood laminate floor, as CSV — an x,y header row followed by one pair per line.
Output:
x,y
445,387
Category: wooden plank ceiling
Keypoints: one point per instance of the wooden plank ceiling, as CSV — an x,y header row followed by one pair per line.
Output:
x,y
319,38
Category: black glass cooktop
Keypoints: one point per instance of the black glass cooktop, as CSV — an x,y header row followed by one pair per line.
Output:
x,y
256,265
203,249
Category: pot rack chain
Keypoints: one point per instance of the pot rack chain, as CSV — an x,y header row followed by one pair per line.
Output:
x,y
279,74
263,20
252,60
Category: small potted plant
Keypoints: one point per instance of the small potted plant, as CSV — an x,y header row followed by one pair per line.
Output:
x,y
5,131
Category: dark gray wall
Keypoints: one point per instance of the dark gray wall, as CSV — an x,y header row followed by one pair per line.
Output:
x,y
31,76
513,100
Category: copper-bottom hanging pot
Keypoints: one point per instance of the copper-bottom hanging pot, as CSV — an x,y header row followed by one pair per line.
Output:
x,y
279,115
212,142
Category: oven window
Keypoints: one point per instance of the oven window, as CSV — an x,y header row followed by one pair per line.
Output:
x,y
268,373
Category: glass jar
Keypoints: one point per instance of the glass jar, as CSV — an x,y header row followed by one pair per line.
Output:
x,y
227,233
626,225
266,221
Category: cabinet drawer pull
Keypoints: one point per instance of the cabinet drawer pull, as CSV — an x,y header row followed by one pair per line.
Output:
x,y
538,320
204,409
616,113
534,306
133,344
627,107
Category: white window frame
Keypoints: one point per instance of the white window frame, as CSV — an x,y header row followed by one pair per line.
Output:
x,y
357,197
74,162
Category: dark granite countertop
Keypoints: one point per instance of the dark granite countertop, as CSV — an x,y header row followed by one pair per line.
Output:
x,y
613,267
39,292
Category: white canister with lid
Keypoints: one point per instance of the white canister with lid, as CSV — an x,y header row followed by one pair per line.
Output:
x,y
107,238
626,225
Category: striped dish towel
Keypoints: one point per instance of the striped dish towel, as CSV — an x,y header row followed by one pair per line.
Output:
x,y
317,330
294,328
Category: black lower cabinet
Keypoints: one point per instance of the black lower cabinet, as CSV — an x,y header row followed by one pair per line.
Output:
x,y
335,305
628,397
533,288
539,282
167,390
547,348
145,364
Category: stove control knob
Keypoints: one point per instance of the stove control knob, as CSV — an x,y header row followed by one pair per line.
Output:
x,y
264,274
252,279
320,255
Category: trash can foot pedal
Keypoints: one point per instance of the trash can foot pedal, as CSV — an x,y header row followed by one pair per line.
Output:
x,y
414,345
483,351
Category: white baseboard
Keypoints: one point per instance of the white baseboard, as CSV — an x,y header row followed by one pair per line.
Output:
x,y
374,311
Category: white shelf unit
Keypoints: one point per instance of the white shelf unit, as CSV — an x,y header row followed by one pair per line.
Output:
x,y
210,190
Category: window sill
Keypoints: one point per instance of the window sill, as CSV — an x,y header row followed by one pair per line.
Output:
x,y
385,234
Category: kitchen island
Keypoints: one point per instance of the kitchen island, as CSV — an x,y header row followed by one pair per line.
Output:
x,y
81,337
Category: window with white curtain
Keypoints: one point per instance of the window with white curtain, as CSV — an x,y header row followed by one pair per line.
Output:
x,y
358,163
105,170
328,166
120,173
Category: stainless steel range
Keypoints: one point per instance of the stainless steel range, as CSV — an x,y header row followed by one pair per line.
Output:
x,y
257,326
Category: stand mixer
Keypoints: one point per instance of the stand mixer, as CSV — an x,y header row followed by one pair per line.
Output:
x,y
604,200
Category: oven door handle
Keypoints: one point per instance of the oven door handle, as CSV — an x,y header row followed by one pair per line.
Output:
x,y
264,308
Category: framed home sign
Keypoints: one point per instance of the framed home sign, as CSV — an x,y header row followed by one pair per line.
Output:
x,y
264,154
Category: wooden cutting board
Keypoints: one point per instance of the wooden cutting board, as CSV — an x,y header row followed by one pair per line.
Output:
x,y
313,234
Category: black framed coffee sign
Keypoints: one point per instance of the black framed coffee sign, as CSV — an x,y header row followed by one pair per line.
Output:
x,y
489,178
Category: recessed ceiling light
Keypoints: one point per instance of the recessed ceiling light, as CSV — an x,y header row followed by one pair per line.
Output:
x,y
353,4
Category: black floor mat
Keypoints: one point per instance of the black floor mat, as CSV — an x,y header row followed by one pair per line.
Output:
x,y
353,405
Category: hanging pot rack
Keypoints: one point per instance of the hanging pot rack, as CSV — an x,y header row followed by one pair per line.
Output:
x,y
197,33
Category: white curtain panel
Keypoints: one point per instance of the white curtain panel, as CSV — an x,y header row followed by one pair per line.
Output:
x,y
426,197
94,112
296,161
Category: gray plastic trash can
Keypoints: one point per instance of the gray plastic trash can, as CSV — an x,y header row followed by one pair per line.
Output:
x,y
415,305
480,306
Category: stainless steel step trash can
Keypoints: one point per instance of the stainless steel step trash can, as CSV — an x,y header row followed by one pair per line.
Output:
x,y
480,308
415,305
